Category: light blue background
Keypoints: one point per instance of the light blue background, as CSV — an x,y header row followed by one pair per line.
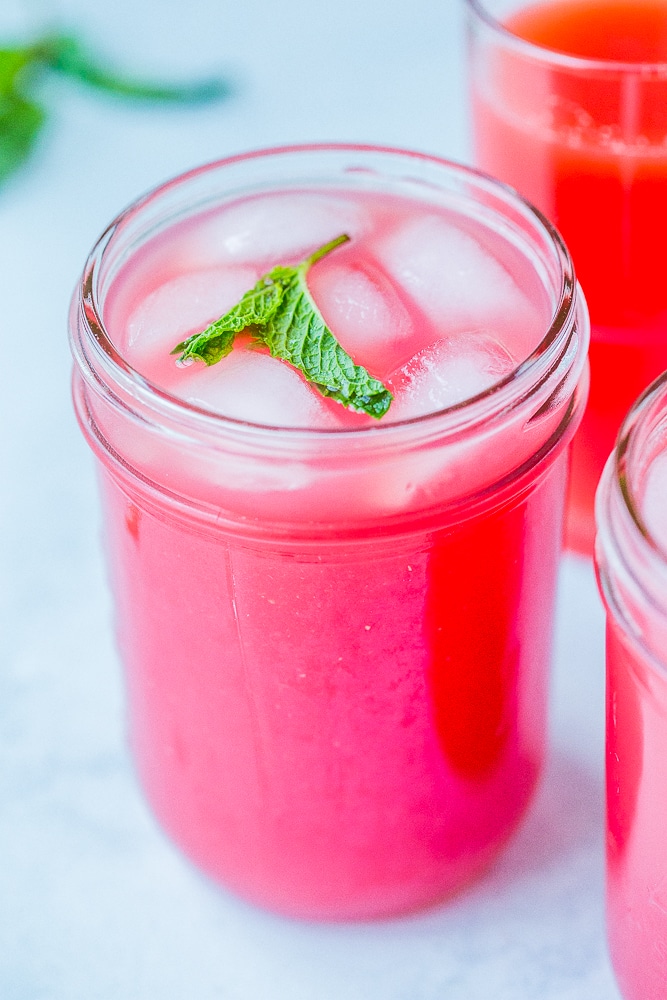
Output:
x,y
94,903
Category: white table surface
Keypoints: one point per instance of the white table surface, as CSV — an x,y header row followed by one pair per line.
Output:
x,y
95,904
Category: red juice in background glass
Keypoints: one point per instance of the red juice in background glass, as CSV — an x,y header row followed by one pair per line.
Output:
x,y
335,629
632,569
570,107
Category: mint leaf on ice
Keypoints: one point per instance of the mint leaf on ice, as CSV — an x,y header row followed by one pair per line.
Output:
x,y
253,311
281,314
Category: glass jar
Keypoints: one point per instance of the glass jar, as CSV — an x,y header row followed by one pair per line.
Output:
x,y
632,570
584,139
336,642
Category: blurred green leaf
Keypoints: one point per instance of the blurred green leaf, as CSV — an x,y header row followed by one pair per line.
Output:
x,y
22,67
20,123
67,55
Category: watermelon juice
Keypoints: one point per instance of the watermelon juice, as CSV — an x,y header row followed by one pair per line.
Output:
x,y
632,565
570,107
335,628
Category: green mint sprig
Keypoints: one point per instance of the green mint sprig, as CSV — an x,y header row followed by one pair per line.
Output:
x,y
281,314
23,67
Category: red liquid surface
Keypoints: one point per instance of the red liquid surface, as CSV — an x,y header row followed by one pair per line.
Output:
x,y
590,150
615,30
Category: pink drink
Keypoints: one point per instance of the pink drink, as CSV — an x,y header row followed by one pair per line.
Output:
x,y
632,559
335,630
570,107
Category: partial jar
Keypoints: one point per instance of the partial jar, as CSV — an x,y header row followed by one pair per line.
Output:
x,y
631,516
568,103
336,630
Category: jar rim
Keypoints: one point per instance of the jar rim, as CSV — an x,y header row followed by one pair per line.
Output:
x,y
631,562
99,359
649,410
558,57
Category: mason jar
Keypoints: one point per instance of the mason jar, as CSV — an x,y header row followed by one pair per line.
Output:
x,y
631,518
336,641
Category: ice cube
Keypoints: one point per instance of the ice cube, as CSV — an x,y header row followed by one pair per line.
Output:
x,y
273,229
447,373
458,283
364,312
182,306
250,385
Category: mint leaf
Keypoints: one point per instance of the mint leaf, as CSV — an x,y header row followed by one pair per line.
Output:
x,y
22,67
20,124
297,333
254,310
67,55
12,61
281,314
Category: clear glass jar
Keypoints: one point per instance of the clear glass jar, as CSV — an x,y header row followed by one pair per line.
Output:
x,y
585,140
336,643
632,571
